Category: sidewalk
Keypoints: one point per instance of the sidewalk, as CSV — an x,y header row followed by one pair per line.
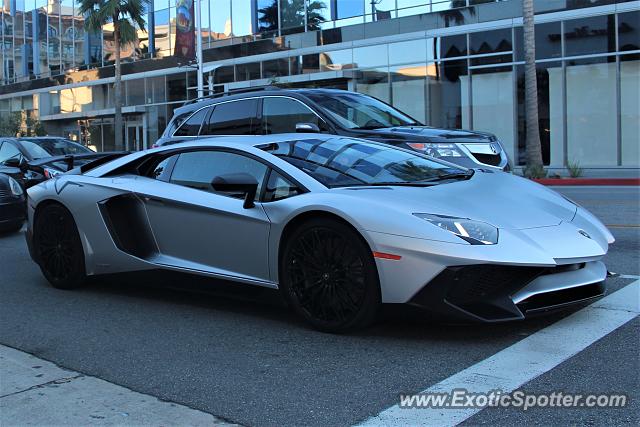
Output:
x,y
36,392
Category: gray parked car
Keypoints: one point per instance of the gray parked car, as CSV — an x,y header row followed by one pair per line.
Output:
x,y
339,225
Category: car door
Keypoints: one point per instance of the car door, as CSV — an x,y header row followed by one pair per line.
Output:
x,y
198,228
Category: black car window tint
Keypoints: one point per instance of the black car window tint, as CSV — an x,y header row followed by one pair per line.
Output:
x,y
9,151
233,118
197,169
278,188
191,127
280,115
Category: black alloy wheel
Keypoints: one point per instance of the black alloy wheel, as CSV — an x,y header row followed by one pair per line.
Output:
x,y
58,248
329,276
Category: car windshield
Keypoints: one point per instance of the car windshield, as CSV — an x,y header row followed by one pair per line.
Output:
x,y
345,162
355,111
50,147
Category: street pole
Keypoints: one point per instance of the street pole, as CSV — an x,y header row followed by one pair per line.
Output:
x,y
200,92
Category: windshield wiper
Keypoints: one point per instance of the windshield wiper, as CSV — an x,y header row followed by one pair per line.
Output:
x,y
454,175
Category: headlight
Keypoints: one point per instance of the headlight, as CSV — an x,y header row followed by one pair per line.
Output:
x,y
436,149
474,232
16,190
50,173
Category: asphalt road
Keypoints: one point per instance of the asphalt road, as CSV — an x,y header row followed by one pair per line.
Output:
x,y
246,359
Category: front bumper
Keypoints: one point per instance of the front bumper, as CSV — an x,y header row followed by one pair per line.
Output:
x,y
12,212
494,293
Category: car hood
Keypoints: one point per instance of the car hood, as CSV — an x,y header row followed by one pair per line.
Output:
x,y
436,134
503,200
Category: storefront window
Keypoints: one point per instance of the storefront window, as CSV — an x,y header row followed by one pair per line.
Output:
x,y
448,93
374,82
409,88
492,104
590,35
629,31
484,42
550,116
135,92
630,110
591,112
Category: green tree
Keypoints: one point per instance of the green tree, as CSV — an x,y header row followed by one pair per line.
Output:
x,y
127,17
21,123
534,167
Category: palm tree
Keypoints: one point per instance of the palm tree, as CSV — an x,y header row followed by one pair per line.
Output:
x,y
127,17
534,167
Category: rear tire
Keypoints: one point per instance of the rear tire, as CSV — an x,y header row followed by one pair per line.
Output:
x,y
329,277
58,248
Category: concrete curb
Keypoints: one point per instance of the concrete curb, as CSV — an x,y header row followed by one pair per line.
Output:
x,y
589,181
37,392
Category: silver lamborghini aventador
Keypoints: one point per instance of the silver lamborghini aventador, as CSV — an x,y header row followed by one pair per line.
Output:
x,y
339,225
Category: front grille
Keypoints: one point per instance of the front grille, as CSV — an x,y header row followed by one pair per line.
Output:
x,y
488,159
5,194
553,299
481,282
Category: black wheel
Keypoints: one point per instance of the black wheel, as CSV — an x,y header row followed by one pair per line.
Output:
x,y
58,248
329,277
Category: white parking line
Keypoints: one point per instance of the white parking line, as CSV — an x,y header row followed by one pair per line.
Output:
x,y
525,360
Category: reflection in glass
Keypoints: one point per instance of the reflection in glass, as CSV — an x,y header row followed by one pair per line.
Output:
x,y
629,31
590,35
448,94
336,60
374,82
220,19
241,16
161,33
550,117
349,8
591,112
630,112
409,88
370,56
492,104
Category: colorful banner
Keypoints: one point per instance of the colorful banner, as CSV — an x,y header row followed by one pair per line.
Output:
x,y
185,30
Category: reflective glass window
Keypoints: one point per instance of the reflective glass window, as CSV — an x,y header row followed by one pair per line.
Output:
x,y
280,115
590,35
191,127
234,118
629,31
220,19
197,169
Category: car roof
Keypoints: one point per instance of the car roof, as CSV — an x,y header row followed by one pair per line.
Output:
x,y
247,140
251,93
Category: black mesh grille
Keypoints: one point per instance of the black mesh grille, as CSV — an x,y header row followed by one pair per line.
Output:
x,y
479,282
488,159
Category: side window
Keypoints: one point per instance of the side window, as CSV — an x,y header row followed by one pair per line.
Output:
x,y
9,151
196,169
278,188
161,169
192,126
280,115
175,123
233,118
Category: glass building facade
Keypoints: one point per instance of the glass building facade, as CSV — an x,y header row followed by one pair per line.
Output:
x,y
455,64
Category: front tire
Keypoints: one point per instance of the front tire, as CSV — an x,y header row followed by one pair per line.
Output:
x,y
329,277
58,247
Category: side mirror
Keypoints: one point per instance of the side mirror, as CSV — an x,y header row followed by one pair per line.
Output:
x,y
242,183
13,162
307,128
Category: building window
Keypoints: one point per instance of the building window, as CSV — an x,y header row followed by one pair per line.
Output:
x,y
590,35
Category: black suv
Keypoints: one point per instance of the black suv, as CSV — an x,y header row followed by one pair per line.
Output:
x,y
271,110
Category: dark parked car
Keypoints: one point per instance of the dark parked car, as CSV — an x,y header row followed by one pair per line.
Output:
x,y
12,204
272,110
34,159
